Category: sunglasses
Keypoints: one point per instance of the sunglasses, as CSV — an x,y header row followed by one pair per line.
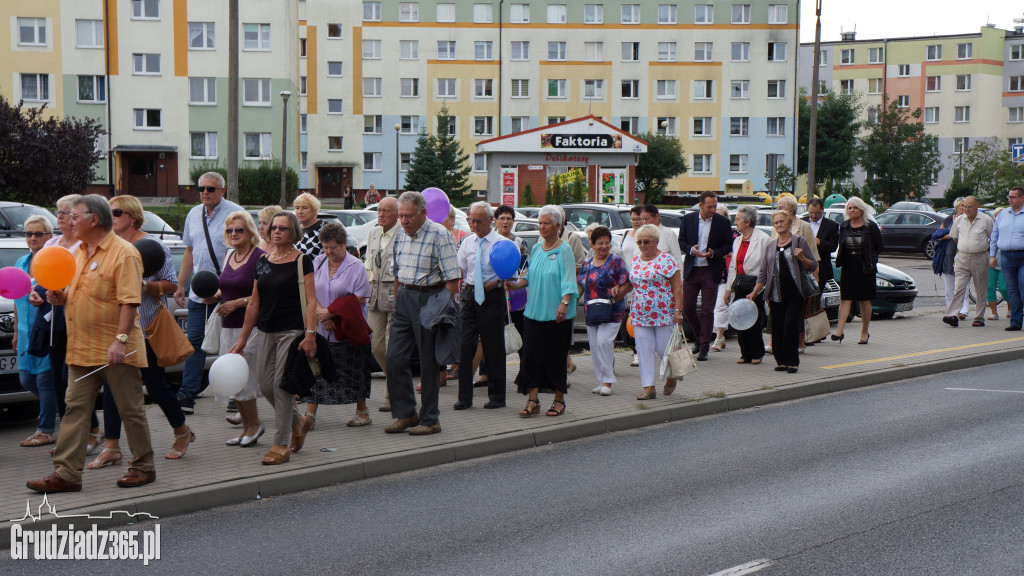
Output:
x,y
117,212
645,242
210,189
280,229
235,230
36,234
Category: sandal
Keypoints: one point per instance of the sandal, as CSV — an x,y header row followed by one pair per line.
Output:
x,y
647,395
101,462
527,412
38,439
312,421
362,419
273,458
755,361
552,412
299,439
91,447
668,389
175,454
743,361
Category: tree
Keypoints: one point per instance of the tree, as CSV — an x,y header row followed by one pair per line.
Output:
x,y
578,189
898,155
986,170
528,195
440,161
838,126
423,169
42,159
663,161
783,179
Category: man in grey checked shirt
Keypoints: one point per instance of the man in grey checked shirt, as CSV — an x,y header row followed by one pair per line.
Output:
x,y
425,263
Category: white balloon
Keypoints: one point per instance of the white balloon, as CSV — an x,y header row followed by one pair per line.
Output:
x,y
742,314
229,374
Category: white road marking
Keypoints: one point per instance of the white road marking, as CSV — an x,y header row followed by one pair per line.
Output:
x,y
746,568
984,390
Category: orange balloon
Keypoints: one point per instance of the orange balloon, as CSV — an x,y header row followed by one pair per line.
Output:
x,y
629,327
53,267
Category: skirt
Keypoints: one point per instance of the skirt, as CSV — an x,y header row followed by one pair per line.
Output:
x,y
228,337
542,358
353,383
855,284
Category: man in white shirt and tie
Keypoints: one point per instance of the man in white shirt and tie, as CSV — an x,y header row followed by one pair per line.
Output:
x,y
483,309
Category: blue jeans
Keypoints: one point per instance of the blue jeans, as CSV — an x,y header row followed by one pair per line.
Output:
x,y
192,374
41,385
1013,273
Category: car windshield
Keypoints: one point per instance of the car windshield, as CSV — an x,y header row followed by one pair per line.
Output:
x,y
348,219
17,215
155,224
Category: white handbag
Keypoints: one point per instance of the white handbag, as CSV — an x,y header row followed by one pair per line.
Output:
x,y
678,360
513,341
211,338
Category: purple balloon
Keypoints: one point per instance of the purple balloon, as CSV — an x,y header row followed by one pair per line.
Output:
x,y
517,299
438,205
14,282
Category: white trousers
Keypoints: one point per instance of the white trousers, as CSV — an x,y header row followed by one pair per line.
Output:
x,y
651,342
721,309
950,283
602,350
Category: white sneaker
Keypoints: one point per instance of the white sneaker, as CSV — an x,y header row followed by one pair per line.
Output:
x,y
801,349
636,361
606,391
598,389
719,345
767,349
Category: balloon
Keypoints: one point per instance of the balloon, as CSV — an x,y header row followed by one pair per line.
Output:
x,y
629,327
205,284
517,299
14,282
505,258
438,206
153,256
229,374
53,267
742,314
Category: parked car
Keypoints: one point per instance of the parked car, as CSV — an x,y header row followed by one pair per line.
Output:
x,y
894,292
352,217
912,205
909,230
158,227
14,214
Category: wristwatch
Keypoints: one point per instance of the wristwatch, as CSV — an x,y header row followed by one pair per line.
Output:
x,y
122,338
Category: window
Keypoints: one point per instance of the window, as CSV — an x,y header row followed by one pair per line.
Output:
x,y
556,50
482,14
90,88
903,101
701,51
593,89
776,88
446,50
961,114
823,58
410,87
1010,142
776,126
846,86
873,114
874,85
960,145
702,126
555,120
703,89
776,51
630,124
741,13
630,13
483,125
302,48
146,64
741,51
483,50
371,87
302,85
704,14
1016,84
666,13
520,88
202,91
479,162
931,115
303,124
372,161
445,12
964,51
148,119
737,163
335,143
408,12
702,163
630,51
903,70
556,88
520,50
409,49
256,91
1017,52
666,89
876,56
556,13
519,14
593,13
145,9
520,123
822,86
35,87
963,82
204,145
667,51
739,126
630,89
846,56
739,89
933,52
483,88
778,14
256,36
666,125
334,31
933,83
410,124
371,49
373,124
371,11
303,161
446,88
334,105
334,68
89,34
593,51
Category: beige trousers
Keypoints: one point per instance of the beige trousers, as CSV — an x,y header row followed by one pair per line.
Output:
x,y
968,267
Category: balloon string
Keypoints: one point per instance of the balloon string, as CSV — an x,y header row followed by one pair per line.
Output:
x,y
102,367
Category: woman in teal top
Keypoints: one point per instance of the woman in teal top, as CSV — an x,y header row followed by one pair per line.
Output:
x,y
33,371
549,315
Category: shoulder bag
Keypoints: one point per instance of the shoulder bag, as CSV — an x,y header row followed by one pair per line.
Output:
x,y
169,343
209,242
677,361
513,341
211,338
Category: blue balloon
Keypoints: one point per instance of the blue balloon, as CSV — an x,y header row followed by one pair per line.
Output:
x,y
505,259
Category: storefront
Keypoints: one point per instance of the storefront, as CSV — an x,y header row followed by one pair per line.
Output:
x,y
586,149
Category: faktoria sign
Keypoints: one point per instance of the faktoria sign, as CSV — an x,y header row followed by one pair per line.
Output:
x,y
580,141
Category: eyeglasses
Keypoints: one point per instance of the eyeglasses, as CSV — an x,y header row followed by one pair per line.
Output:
x,y
117,212
36,234
75,217
280,229
63,213
645,242
240,230
478,220
209,189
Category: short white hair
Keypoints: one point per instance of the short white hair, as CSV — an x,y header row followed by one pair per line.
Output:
x,y
787,203
308,198
488,209
554,213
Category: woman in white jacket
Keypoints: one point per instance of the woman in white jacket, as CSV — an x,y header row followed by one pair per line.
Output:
x,y
747,258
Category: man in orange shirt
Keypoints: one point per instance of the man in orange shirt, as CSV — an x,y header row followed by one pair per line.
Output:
x,y
103,328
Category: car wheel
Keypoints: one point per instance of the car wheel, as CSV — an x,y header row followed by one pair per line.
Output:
x,y
883,315
928,249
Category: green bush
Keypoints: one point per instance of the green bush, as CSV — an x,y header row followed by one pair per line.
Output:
x,y
528,194
259,183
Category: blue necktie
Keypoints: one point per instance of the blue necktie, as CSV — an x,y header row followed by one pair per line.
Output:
x,y
478,285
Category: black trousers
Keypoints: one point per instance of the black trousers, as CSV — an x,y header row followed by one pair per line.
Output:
x,y
787,323
751,341
700,282
484,323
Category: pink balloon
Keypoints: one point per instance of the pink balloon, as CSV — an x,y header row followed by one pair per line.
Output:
x,y
14,282
438,205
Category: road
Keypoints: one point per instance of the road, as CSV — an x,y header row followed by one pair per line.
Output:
x,y
930,288
903,478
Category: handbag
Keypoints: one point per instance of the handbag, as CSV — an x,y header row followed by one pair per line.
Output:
x,y
598,311
211,337
678,360
809,286
169,343
314,362
743,285
513,341
816,327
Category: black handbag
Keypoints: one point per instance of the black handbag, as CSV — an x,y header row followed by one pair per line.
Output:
x,y
809,285
598,311
743,285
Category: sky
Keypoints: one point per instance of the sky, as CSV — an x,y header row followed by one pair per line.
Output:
x,y
876,19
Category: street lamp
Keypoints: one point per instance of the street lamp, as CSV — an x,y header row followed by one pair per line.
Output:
x,y
284,147
398,157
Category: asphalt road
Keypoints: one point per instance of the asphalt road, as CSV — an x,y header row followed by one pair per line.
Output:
x,y
903,478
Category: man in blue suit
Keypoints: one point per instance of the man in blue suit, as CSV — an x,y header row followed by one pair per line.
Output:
x,y
705,238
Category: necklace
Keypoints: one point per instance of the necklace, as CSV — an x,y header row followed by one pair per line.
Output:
x,y
239,261
277,257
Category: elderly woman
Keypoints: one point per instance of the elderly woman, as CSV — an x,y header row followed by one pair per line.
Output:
x,y
860,243
241,236
306,207
33,371
748,250
604,283
266,215
657,304
340,275
945,253
449,223
550,311
128,217
629,251
786,258
276,309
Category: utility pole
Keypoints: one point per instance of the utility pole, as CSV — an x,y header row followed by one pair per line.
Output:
x,y
812,182
233,101
284,148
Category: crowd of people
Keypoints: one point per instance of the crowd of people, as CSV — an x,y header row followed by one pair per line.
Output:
x,y
313,321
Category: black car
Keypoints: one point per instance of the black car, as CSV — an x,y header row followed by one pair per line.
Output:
x,y
909,230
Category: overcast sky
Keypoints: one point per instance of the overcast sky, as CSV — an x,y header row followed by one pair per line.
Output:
x,y
899,18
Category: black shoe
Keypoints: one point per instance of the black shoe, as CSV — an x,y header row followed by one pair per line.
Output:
x,y
791,369
703,355
695,349
480,384
188,405
492,404
232,407
951,320
1012,328
463,404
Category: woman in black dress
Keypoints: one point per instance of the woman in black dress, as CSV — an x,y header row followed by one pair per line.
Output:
x,y
860,242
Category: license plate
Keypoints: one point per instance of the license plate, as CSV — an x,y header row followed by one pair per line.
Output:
x,y
905,307
831,301
8,363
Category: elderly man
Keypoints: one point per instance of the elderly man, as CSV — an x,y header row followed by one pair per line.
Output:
x,y
826,237
424,263
1008,239
706,238
103,329
483,309
204,224
945,254
972,232
382,282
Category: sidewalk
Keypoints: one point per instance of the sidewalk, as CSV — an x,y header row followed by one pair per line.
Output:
x,y
213,474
